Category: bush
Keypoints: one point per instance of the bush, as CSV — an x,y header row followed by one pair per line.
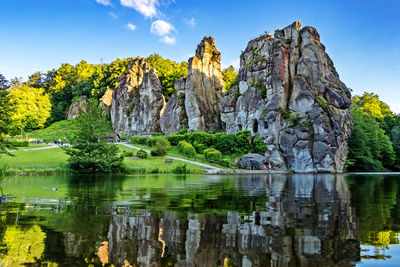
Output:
x,y
186,148
139,139
200,137
160,147
151,141
142,154
181,169
226,162
213,154
259,146
174,139
226,142
199,147
128,154
15,143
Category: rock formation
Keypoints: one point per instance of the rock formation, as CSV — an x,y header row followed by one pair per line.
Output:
x,y
77,107
290,94
203,87
174,117
197,101
137,103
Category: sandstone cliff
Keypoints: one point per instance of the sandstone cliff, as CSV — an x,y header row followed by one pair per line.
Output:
x,y
137,103
77,107
290,94
196,103
203,87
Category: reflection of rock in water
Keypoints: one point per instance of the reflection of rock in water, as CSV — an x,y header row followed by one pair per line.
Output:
x,y
307,221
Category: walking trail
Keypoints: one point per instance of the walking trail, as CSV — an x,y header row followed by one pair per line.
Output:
x,y
212,168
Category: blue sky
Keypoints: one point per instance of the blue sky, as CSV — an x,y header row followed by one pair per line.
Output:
x,y
361,37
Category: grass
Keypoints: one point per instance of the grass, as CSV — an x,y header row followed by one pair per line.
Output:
x,y
156,164
57,130
54,161
173,152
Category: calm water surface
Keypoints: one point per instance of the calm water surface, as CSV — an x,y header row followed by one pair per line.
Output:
x,y
166,220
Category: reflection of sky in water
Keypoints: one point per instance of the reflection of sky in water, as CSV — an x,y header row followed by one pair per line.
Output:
x,y
391,256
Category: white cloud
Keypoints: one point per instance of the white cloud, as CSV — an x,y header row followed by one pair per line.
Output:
x,y
131,26
191,22
147,8
168,40
161,27
104,2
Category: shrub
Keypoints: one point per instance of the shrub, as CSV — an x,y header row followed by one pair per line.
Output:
x,y
213,154
186,148
181,169
184,130
158,134
139,139
128,154
174,139
226,162
15,143
199,147
151,141
142,154
200,137
259,146
161,146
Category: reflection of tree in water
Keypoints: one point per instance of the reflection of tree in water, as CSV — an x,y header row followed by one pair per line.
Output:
x,y
377,202
84,222
304,220
22,245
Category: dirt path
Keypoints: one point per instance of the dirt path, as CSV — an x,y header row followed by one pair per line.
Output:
x,y
210,167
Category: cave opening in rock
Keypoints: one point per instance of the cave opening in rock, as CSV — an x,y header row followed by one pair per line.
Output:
x,y
265,125
240,127
255,126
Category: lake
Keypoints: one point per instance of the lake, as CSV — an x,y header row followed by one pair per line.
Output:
x,y
199,220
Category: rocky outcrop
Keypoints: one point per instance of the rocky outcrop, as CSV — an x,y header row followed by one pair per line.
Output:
x,y
290,94
252,161
77,107
174,117
203,87
106,99
137,103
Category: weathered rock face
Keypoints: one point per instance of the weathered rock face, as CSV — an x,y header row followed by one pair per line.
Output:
x,y
137,103
77,107
203,87
174,117
106,99
290,94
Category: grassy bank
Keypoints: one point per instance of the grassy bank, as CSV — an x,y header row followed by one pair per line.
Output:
x,y
54,161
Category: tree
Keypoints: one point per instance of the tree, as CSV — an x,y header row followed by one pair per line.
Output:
x,y
4,83
168,72
161,147
31,105
89,151
230,77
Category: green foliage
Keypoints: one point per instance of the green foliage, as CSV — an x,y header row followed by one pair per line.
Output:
x,y
322,102
369,148
6,110
16,143
131,107
160,147
128,154
213,154
181,96
89,152
199,147
186,148
68,82
264,92
259,146
139,140
142,154
230,77
175,138
370,103
168,72
31,106
181,169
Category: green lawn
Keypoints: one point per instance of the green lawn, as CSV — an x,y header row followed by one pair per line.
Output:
x,y
50,161
156,163
173,152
